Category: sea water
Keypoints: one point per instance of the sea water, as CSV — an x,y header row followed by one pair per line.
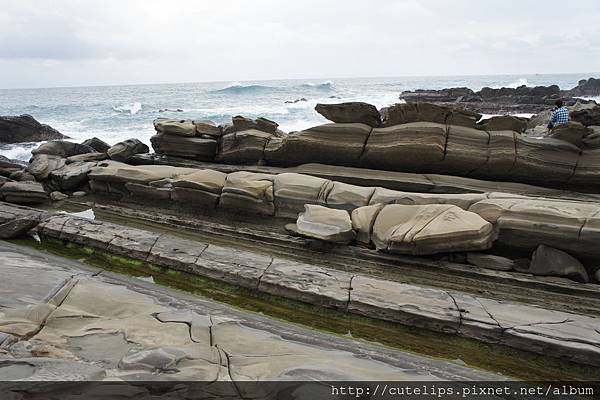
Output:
x,y
115,113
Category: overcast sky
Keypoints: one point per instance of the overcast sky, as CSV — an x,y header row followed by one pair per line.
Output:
x,y
71,43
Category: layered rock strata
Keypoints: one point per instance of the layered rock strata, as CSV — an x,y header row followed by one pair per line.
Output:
x,y
554,333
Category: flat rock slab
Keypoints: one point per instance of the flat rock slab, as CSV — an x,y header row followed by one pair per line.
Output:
x,y
119,327
307,283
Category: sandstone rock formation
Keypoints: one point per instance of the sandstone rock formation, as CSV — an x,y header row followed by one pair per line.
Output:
x,y
24,128
99,145
430,229
326,224
354,112
23,192
62,148
549,261
122,151
43,164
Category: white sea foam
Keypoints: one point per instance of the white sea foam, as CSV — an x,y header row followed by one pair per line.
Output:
x,y
513,85
132,108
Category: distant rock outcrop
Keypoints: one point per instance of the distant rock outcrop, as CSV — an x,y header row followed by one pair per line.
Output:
x,y
523,99
25,128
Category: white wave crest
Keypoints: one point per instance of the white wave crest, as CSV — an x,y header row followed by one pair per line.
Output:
x,y
513,85
132,108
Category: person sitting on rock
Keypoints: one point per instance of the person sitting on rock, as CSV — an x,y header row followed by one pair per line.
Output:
x,y
560,115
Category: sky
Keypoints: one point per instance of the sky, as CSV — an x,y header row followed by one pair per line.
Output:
x,y
100,42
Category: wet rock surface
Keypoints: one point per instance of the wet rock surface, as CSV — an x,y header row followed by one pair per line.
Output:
x,y
25,128
108,326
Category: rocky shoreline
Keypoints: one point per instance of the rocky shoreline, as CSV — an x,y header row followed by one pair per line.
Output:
x,y
520,100
435,190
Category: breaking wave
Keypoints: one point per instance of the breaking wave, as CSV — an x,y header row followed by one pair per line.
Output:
x,y
327,85
132,108
239,88
513,85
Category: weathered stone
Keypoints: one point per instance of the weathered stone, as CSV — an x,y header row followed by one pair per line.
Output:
x,y
501,155
339,144
97,144
406,113
176,252
197,148
243,147
122,151
71,175
62,148
586,117
248,192
550,158
204,179
23,192
363,219
571,132
342,195
490,261
504,123
162,360
88,157
7,166
466,150
430,229
549,261
293,191
207,128
24,128
111,171
41,165
262,124
79,193
527,222
462,200
415,146
58,196
238,267
350,113
192,198
17,227
145,192
184,127
406,304
307,283
325,224
22,176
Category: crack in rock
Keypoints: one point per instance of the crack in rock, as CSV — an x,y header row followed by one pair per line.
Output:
x,y
459,310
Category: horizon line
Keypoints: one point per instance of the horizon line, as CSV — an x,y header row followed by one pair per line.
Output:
x,y
294,79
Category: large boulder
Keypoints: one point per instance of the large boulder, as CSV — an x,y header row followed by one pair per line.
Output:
x,y
587,117
248,192
351,112
196,148
243,147
24,128
207,128
183,127
88,157
414,146
71,176
62,148
8,166
17,227
260,124
405,113
430,229
338,144
326,224
548,261
586,87
97,144
43,164
504,123
124,150
571,132
23,192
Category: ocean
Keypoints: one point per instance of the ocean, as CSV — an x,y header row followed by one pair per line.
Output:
x,y
115,113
